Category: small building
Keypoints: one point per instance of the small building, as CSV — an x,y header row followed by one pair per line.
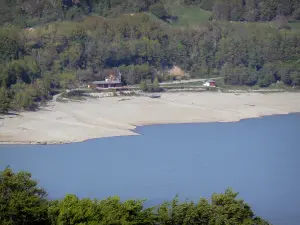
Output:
x,y
106,84
210,83
112,80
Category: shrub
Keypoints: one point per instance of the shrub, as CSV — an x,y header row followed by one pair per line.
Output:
x,y
296,14
4,100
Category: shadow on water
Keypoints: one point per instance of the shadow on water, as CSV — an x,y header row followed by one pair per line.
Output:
x,y
257,157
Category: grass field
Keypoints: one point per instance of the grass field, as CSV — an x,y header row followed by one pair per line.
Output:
x,y
189,15
295,25
207,4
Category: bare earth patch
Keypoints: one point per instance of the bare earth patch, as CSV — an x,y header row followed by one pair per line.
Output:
x,y
108,117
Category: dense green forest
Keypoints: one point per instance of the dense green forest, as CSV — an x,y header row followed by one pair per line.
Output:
x,y
23,202
255,10
55,44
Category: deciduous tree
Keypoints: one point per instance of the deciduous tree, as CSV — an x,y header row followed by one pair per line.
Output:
x,y
21,200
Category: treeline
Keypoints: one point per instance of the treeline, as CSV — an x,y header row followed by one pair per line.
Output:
x,y
255,10
31,12
59,55
23,202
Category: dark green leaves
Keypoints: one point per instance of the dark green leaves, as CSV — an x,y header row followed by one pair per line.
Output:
x,y
22,202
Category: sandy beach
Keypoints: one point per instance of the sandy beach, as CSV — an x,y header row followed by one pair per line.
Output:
x,y
118,116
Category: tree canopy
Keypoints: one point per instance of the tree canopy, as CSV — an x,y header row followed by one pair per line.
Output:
x,y
23,202
255,10
71,42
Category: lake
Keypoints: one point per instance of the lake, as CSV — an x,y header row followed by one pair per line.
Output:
x,y
259,158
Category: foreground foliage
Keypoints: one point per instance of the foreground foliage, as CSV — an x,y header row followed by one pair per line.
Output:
x,y
22,202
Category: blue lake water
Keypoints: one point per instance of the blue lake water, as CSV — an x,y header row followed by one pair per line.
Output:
x,y
259,158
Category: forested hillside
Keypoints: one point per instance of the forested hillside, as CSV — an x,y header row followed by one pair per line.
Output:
x,y
255,10
74,41
23,202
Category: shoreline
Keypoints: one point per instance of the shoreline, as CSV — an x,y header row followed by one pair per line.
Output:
x,y
134,131
74,122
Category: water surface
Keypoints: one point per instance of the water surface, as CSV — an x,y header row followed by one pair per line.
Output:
x,y
257,157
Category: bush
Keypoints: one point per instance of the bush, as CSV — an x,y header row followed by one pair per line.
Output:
x,y
295,76
159,10
83,75
266,78
143,86
155,86
23,97
148,86
74,94
281,22
66,79
296,14
4,100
